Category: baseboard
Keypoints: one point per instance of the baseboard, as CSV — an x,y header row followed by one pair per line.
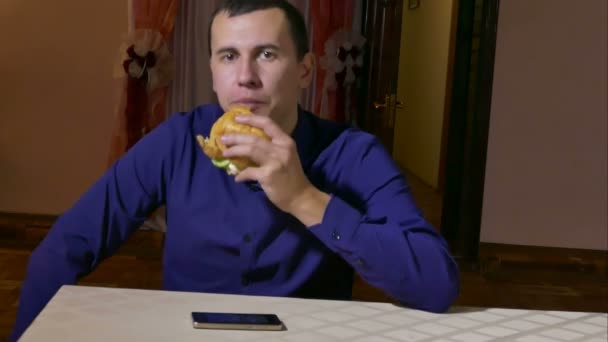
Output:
x,y
494,255
26,219
24,231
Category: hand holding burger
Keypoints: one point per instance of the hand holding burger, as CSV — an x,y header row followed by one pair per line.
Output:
x,y
214,148
253,147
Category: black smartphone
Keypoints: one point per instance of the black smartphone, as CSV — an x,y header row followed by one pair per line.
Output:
x,y
240,321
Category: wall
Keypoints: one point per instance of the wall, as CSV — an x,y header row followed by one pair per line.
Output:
x,y
57,99
423,71
546,174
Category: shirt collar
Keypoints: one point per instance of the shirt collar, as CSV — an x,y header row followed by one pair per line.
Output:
x,y
304,137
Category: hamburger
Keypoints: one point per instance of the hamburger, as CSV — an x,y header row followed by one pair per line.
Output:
x,y
214,148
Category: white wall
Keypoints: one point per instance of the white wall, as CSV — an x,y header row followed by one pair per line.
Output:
x,y
57,99
546,174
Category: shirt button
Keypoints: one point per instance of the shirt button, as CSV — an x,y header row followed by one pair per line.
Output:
x,y
335,235
359,262
247,238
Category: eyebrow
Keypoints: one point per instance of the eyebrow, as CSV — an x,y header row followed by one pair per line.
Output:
x,y
256,48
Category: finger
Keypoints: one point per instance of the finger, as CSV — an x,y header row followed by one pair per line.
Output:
x,y
249,174
265,123
241,139
259,153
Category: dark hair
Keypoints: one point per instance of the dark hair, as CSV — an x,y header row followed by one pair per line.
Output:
x,y
297,25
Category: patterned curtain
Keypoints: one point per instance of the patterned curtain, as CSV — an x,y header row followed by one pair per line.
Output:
x,y
192,84
147,69
336,40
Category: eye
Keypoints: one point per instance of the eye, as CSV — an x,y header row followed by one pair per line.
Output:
x,y
268,55
228,57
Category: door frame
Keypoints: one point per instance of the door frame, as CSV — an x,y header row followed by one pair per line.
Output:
x,y
466,125
468,129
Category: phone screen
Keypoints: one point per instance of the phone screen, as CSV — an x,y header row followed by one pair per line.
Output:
x,y
235,318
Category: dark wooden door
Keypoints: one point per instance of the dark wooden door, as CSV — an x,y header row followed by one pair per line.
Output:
x,y
382,29
468,112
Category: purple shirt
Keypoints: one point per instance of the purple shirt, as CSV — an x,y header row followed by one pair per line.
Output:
x,y
227,237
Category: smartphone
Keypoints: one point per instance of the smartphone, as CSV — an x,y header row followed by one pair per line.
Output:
x,y
240,321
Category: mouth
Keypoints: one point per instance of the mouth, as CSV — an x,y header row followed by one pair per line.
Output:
x,y
252,103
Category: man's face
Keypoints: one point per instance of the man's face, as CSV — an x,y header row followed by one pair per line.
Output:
x,y
254,63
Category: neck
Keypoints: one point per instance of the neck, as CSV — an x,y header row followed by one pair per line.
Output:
x,y
289,122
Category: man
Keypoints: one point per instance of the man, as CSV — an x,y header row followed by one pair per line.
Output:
x,y
325,199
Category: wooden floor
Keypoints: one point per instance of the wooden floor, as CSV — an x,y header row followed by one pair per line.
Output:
x,y
506,276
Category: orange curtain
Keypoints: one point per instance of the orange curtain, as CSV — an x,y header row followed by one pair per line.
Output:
x,y
327,18
139,110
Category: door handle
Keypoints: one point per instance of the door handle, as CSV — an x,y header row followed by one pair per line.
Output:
x,y
389,101
390,104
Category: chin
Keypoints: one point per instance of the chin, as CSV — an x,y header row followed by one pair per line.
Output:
x,y
260,110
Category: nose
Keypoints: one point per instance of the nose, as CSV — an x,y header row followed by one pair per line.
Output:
x,y
248,75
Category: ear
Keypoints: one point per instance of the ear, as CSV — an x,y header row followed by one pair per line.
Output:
x,y
307,67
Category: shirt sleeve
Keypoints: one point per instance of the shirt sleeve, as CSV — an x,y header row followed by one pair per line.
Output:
x,y
100,220
373,223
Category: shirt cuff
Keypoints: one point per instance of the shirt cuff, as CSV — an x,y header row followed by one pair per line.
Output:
x,y
338,227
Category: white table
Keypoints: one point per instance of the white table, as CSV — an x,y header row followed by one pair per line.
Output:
x,y
79,313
